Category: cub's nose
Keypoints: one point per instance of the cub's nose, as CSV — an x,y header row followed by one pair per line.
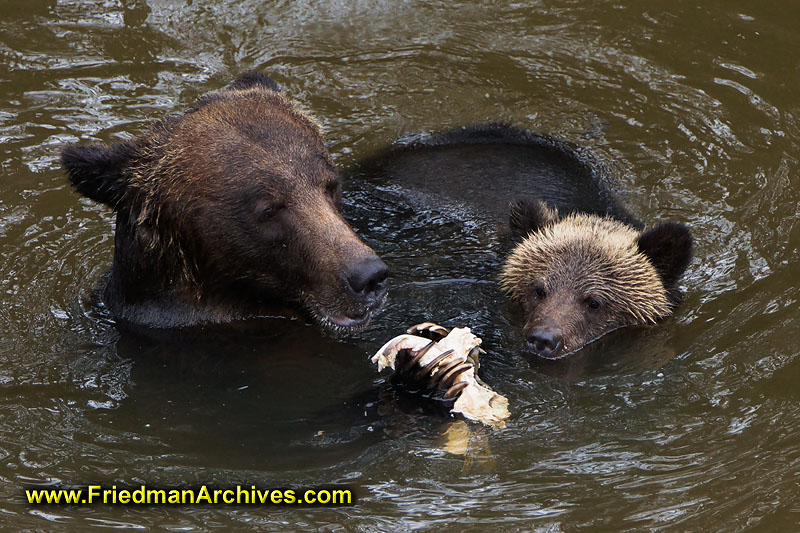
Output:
x,y
545,342
368,277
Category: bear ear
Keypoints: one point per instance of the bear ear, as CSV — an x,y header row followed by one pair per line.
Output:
x,y
669,248
252,79
96,170
526,216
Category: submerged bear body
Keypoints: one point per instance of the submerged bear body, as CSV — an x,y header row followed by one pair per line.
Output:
x,y
486,166
581,264
229,211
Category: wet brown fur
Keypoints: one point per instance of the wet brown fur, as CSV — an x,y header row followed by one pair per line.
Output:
x,y
170,177
225,212
564,266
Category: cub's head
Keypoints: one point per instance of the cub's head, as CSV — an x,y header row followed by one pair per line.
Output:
x,y
581,276
238,202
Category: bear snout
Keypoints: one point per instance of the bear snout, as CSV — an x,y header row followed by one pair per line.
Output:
x,y
546,342
367,278
348,303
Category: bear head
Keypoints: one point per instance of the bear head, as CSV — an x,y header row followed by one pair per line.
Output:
x,y
228,211
581,276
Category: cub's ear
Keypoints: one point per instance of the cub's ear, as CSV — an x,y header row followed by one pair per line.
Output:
x,y
669,248
252,79
526,216
96,170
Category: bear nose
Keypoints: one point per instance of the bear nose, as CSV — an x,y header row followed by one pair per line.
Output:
x,y
368,277
546,342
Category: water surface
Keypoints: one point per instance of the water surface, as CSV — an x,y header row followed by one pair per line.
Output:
x,y
694,424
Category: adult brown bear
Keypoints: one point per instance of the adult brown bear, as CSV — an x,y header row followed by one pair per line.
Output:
x,y
228,212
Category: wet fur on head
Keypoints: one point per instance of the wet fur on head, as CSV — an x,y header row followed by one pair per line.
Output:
x,y
600,253
158,175
633,272
224,209
163,184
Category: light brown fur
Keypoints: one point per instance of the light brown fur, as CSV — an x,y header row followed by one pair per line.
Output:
x,y
582,276
600,254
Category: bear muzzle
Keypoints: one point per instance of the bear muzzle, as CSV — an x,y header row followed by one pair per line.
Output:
x,y
367,279
546,342
365,282
349,303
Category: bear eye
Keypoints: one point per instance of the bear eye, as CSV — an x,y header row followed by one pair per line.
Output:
x,y
593,303
539,293
332,188
269,211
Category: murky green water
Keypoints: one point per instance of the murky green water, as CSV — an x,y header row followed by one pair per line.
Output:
x,y
696,425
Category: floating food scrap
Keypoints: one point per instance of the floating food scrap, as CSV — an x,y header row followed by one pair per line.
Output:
x,y
434,359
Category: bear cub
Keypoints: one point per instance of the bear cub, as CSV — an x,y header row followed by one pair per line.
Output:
x,y
582,275
582,265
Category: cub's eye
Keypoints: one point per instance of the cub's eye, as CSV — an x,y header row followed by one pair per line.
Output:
x,y
332,188
593,303
539,293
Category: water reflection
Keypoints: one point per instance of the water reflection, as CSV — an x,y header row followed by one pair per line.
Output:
x,y
699,123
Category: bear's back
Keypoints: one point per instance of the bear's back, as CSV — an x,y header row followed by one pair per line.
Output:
x,y
485,166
